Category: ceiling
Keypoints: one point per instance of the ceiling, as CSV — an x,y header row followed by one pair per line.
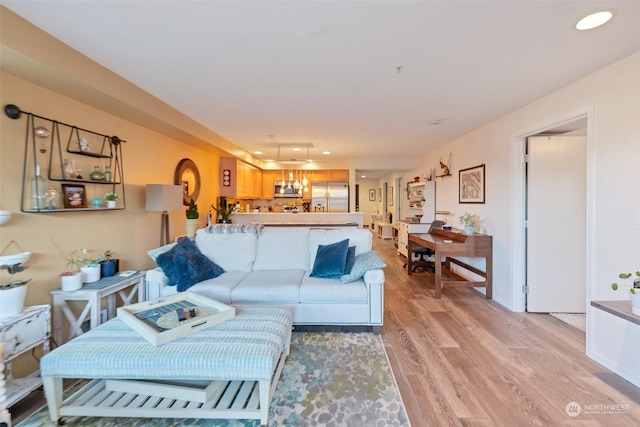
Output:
x,y
369,81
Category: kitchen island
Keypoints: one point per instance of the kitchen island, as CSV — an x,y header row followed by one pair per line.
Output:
x,y
309,219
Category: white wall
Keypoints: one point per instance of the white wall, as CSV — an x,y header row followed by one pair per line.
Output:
x,y
612,96
610,99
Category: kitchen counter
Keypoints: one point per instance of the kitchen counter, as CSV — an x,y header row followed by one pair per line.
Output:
x,y
309,219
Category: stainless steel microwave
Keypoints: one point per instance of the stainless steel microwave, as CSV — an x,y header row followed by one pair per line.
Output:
x,y
288,191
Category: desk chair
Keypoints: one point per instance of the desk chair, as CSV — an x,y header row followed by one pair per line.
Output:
x,y
423,252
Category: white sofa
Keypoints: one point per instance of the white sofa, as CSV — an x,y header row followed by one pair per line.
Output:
x,y
273,266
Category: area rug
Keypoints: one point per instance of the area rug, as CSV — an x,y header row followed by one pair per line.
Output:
x,y
577,320
329,379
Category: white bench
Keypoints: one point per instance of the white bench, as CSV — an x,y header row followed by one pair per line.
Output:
x,y
227,371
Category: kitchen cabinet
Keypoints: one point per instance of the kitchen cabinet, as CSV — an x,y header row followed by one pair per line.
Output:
x,y
268,182
245,180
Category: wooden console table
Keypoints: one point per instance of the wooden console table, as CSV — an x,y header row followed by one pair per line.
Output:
x,y
449,244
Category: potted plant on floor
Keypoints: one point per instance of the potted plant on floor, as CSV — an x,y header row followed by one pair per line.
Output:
x,y
223,215
634,291
191,222
14,291
109,265
469,222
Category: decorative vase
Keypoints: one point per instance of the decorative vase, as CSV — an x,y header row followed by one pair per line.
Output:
x,y
12,301
72,282
469,230
191,226
111,204
109,268
635,302
97,174
90,273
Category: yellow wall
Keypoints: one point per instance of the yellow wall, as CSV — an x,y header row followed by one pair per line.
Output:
x,y
148,157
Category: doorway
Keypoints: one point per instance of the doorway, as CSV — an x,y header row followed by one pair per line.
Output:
x,y
577,124
555,176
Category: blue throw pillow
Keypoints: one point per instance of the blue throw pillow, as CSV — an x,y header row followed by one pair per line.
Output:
x,y
330,260
351,258
364,262
184,265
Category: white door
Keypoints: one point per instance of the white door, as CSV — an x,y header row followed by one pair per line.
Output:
x,y
556,233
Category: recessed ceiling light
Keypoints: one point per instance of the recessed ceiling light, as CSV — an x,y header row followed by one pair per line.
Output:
x,y
257,152
594,20
363,176
268,160
326,152
296,149
435,122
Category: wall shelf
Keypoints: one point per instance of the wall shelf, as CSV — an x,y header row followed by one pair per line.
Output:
x,y
70,165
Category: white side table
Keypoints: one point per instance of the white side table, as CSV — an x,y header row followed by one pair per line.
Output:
x,y
92,294
19,334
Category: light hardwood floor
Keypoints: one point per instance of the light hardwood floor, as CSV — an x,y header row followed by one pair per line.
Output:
x,y
467,361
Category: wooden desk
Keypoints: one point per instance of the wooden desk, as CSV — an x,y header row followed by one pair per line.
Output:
x,y
449,244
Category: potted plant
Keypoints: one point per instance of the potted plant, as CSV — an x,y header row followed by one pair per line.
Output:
x,y
469,222
634,291
223,215
111,199
91,267
14,291
192,218
109,265
70,277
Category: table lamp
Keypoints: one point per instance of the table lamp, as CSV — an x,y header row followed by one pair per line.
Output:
x,y
163,198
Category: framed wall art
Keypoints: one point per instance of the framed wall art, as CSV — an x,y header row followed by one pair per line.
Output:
x,y
372,195
74,196
471,185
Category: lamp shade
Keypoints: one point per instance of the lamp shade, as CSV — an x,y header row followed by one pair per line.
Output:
x,y
163,197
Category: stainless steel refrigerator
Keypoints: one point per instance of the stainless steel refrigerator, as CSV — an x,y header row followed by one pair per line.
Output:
x,y
329,197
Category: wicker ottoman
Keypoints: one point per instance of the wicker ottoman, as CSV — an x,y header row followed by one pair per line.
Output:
x,y
227,371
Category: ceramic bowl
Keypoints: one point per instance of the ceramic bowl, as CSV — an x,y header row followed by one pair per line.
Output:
x,y
20,258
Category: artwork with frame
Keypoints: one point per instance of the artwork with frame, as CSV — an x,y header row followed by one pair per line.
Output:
x,y
372,195
74,196
471,185
390,196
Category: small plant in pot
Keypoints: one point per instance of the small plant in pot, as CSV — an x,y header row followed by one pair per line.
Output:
x,y
469,222
91,268
192,218
223,215
70,276
634,290
111,199
109,265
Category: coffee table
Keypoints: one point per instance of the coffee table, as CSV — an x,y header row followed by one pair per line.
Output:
x,y
227,371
